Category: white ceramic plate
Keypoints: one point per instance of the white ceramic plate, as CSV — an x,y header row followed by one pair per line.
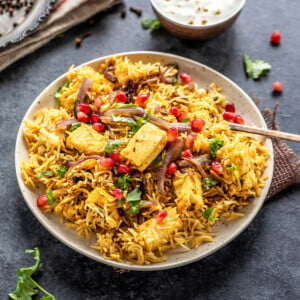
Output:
x,y
203,75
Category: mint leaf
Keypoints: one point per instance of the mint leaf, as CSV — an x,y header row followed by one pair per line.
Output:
x,y
51,198
215,145
112,145
74,126
207,214
151,24
208,183
123,182
257,68
61,171
45,173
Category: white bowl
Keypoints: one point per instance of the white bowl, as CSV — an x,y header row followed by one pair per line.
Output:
x,y
203,75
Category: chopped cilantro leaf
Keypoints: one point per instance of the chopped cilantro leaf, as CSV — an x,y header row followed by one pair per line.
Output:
x,y
207,214
257,68
208,183
45,173
112,145
135,126
215,145
123,181
185,120
51,198
134,199
59,91
61,171
151,24
121,201
74,126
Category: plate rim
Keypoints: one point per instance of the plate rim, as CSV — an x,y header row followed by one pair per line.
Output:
x,y
151,267
39,17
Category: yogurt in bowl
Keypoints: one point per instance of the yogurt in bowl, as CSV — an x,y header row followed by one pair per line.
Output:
x,y
197,12
197,19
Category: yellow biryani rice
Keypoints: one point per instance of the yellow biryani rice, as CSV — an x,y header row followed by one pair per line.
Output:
x,y
82,195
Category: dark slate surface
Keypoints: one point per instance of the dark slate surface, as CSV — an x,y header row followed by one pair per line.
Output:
x,y
262,263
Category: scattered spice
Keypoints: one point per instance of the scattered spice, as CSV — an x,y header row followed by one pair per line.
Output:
x,y
79,40
137,11
123,13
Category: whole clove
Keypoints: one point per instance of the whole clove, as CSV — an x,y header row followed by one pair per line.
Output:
x,y
78,40
137,11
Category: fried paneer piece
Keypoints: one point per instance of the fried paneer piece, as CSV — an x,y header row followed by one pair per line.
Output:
x,y
87,140
145,145
188,189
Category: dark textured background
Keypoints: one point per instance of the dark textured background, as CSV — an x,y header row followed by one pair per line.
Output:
x,y
262,263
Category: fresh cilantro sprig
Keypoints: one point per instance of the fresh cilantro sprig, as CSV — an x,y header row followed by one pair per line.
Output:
x,y
152,24
208,183
135,126
257,68
207,214
134,199
45,173
123,182
113,145
26,285
59,91
51,198
215,145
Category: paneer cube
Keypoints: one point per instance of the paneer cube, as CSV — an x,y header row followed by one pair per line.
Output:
x,y
87,140
155,235
145,145
188,189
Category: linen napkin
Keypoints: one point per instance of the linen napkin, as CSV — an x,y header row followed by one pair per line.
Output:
x,y
66,14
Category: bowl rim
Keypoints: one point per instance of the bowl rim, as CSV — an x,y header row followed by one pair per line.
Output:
x,y
123,265
199,27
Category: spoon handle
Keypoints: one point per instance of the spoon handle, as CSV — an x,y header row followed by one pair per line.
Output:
x,y
265,132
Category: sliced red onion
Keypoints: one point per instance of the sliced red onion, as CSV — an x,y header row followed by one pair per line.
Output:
x,y
126,112
109,75
147,203
169,79
86,85
109,120
174,150
73,164
66,123
199,162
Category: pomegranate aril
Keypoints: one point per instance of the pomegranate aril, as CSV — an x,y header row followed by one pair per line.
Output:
x,y
141,99
161,216
230,107
185,77
239,120
99,127
175,111
124,169
83,117
197,125
217,167
98,101
275,37
116,156
229,116
121,96
84,107
172,134
190,140
277,86
118,194
42,201
187,153
172,168
107,163
183,117
94,118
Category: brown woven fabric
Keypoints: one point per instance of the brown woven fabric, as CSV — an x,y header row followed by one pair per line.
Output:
x,y
286,162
